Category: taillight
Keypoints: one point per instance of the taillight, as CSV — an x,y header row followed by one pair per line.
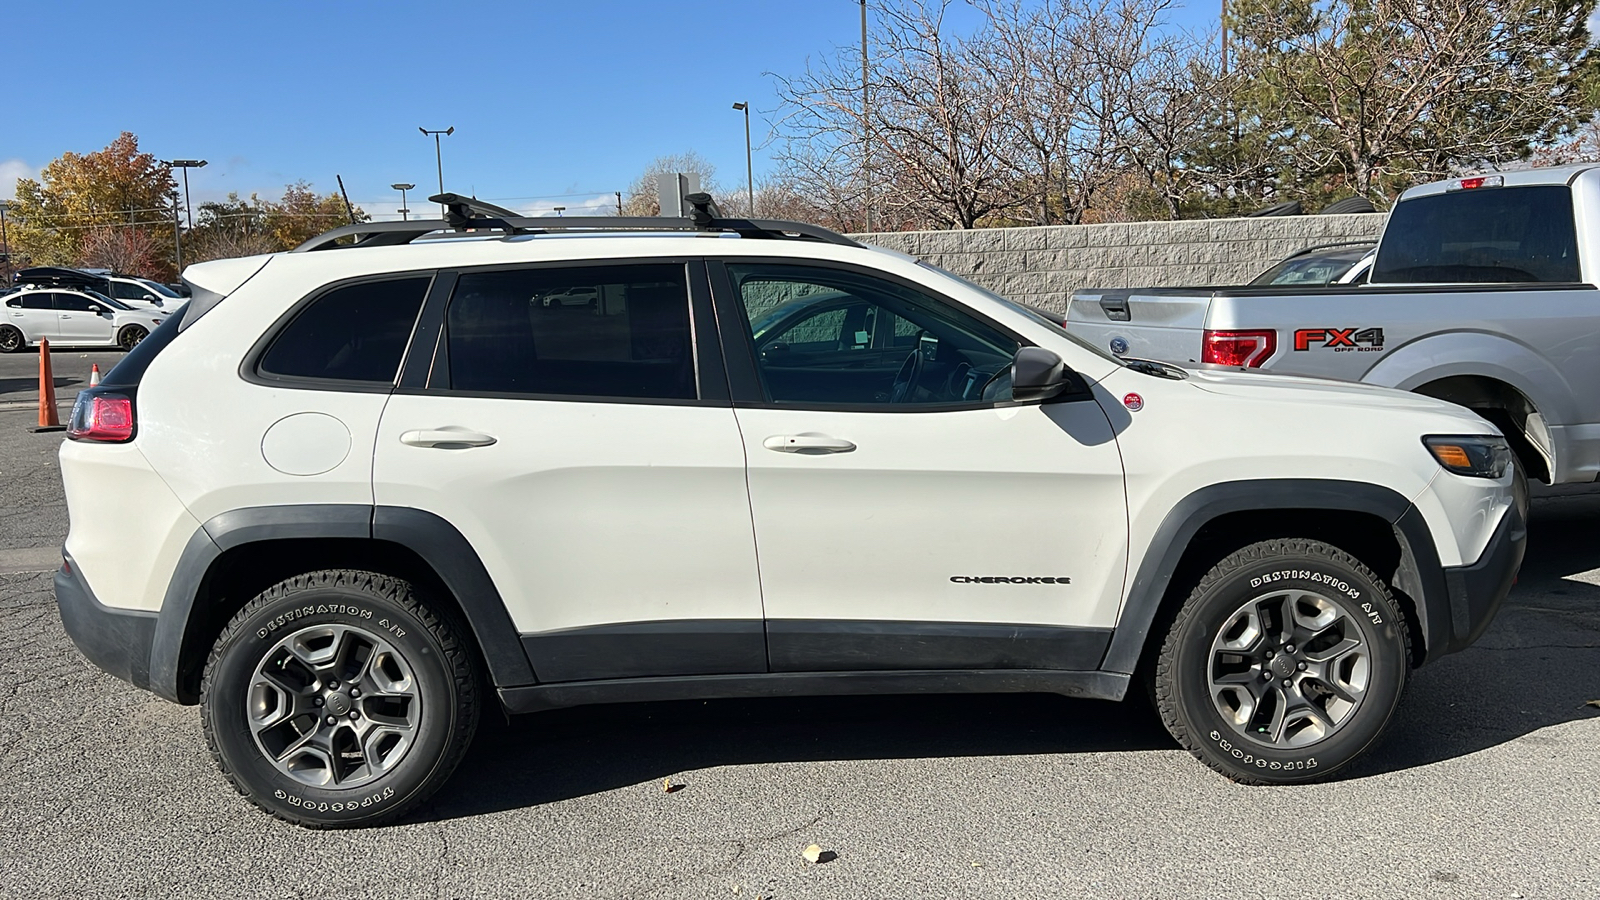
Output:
x,y
1247,349
1477,181
105,417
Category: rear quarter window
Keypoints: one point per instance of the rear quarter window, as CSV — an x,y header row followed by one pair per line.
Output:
x,y
1481,236
357,333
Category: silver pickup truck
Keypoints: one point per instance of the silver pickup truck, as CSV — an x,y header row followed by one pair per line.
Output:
x,y
1482,293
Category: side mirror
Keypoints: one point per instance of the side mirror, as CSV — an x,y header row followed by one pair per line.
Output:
x,y
1038,374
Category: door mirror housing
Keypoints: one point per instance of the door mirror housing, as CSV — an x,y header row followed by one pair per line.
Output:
x,y
1038,374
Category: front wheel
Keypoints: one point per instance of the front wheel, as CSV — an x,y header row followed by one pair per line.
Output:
x,y
11,340
339,698
130,336
1284,664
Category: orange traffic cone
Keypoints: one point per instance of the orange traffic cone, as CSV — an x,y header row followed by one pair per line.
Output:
x,y
49,420
94,375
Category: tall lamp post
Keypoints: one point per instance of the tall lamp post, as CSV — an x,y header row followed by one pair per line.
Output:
x,y
5,240
186,165
560,210
438,156
177,234
402,187
866,123
749,177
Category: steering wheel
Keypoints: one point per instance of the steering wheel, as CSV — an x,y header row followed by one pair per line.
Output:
x,y
905,380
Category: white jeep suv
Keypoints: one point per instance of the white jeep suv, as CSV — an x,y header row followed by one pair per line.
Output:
x,y
362,491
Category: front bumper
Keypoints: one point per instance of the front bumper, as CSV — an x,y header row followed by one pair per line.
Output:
x,y
116,640
1476,591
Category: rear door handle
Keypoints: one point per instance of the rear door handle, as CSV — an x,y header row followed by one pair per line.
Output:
x,y
807,442
449,437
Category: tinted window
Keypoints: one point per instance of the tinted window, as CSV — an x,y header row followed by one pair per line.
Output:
x,y
1485,235
37,300
834,337
77,303
124,291
604,331
353,333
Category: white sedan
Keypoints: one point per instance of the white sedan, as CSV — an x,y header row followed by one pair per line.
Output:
x,y
73,318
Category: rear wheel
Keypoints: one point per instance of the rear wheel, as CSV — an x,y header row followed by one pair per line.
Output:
x,y
130,336
11,340
1284,664
339,698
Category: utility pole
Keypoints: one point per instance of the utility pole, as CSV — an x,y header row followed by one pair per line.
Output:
x,y
619,201
438,158
866,123
5,240
348,209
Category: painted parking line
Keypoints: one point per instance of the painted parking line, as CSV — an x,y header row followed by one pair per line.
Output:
x,y
30,559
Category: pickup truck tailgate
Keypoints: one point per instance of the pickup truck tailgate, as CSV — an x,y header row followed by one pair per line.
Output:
x,y
1153,324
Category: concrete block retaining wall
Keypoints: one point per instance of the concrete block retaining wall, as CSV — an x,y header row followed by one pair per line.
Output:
x,y
1042,266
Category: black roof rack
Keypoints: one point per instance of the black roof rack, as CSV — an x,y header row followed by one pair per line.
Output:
x,y
467,214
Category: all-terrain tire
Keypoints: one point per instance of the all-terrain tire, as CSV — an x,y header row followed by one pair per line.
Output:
x,y
1203,689
340,698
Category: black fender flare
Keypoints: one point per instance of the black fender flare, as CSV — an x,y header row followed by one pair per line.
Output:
x,y
430,537
1419,574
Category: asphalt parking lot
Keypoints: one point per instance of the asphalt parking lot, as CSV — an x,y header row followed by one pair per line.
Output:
x,y
1488,784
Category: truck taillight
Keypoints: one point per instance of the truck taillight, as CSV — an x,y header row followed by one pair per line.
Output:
x,y
105,417
1478,181
1247,349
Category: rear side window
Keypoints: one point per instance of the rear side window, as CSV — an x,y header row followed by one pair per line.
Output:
x,y
37,300
598,331
353,333
1485,235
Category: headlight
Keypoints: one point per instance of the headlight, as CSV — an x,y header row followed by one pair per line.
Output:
x,y
1479,455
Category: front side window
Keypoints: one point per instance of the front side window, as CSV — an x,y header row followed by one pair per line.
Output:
x,y
596,331
77,303
836,337
353,333
125,291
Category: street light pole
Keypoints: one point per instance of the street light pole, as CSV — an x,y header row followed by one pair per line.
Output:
x,y
186,165
749,178
438,156
402,187
177,234
560,210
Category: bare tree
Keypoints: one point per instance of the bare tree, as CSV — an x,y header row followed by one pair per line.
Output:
x,y
936,154
131,251
643,198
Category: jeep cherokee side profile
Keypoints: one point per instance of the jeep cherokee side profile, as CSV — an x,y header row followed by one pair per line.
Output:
x,y
381,484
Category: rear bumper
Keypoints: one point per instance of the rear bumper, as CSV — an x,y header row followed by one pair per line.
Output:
x,y
1476,591
116,640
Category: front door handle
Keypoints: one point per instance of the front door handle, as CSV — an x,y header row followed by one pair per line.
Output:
x,y
449,437
807,442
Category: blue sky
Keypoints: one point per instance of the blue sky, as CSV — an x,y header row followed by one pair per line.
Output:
x,y
553,101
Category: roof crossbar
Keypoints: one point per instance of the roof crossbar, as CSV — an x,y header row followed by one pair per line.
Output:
x,y
469,215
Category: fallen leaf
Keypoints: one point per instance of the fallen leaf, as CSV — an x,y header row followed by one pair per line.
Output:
x,y
667,787
977,865
1594,703
815,854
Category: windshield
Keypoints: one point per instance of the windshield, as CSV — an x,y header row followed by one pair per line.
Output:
x,y
159,288
1053,325
1309,269
114,304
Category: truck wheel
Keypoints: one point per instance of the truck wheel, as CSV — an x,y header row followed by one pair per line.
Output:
x,y
1284,664
11,339
130,336
339,698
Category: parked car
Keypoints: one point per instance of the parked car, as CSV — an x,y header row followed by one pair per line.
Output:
x,y
136,292
1342,263
72,318
1482,292
335,505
